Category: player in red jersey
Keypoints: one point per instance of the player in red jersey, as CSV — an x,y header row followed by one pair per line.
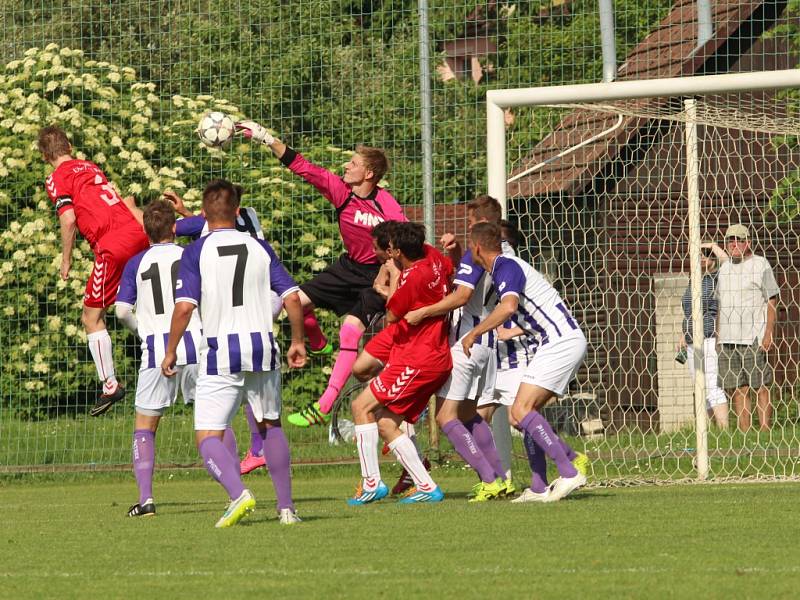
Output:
x,y
419,360
85,201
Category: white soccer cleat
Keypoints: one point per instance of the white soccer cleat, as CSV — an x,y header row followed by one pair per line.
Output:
x,y
530,496
287,516
563,486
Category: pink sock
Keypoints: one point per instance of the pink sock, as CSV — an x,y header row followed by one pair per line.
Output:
x,y
316,339
348,352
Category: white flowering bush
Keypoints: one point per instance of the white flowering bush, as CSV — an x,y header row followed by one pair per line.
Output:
x,y
145,143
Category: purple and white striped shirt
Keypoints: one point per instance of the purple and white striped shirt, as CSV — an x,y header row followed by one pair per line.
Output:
x,y
229,275
482,302
148,286
541,312
515,353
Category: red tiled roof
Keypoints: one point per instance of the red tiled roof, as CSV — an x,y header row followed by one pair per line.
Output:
x,y
668,51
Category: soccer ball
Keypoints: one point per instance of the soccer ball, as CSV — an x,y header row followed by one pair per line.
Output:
x,y
215,129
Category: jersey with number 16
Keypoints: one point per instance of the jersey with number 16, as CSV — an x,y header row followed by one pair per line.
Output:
x,y
148,285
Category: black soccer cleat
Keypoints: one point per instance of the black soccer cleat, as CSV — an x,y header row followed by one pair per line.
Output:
x,y
106,401
148,509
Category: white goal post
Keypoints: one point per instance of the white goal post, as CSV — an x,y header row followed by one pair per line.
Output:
x,y
497,101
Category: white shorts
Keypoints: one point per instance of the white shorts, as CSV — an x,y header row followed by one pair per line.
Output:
x,y
471,376
715,395
219,396
556,363
155,392
506,385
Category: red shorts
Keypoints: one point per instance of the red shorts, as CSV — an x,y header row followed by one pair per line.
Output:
x,y
406,390
111,254
381,344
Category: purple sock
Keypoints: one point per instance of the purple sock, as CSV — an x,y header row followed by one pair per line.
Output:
x,y
255,435
482,434
144,458
466,447
276,454
544,437
538,462
571,454
221,465
229,441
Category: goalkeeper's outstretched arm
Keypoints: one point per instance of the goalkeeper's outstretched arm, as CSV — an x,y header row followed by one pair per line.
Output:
x,y
329,184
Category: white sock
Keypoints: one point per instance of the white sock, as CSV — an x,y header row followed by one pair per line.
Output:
x,y
100,347
411,432
367,444
406,453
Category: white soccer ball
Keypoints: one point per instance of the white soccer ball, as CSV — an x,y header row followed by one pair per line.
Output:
x,y
215,129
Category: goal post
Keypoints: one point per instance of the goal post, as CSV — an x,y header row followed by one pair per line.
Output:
x,y
716,130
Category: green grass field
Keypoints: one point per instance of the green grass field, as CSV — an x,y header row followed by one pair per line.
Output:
x,y
67,536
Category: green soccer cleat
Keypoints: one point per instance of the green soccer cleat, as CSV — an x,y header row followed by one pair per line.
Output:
x,y
326,350
582,464
475,489
510,488
310,415
489,491
237,510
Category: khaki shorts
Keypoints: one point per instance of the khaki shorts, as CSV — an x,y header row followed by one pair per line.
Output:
x,y
741,365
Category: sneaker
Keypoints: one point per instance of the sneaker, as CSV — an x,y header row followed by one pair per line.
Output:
x,y
145,509
510,488
251,462
563,486
528,495
288,516
475,489
237,509
326,350
310,415
362,497
489,491
107,400
405,482
414,496
582,464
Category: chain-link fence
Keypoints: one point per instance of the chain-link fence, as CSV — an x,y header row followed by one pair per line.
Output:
x,y
129,80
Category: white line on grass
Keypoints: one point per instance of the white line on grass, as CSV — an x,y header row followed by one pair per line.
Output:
x,y
384,572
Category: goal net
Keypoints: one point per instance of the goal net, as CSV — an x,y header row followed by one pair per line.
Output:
x,y
604,198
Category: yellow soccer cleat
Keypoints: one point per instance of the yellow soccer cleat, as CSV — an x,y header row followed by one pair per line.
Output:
x,y
510,488
489,491
582,464
237,509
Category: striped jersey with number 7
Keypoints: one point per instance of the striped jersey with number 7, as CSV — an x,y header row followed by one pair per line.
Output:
x,y
229,275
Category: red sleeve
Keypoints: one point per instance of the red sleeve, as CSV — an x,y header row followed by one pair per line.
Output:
x,y
59,193
330,185
401,301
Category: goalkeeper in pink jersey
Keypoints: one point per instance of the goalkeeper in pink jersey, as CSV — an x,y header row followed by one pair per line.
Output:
x,y
346,285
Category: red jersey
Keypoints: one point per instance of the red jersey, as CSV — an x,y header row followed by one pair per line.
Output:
x,y
82,186
425,282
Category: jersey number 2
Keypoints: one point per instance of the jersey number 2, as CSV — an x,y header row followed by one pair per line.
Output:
x,y
154,275
240,252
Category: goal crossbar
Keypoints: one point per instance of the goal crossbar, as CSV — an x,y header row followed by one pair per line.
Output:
x,y
498,100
